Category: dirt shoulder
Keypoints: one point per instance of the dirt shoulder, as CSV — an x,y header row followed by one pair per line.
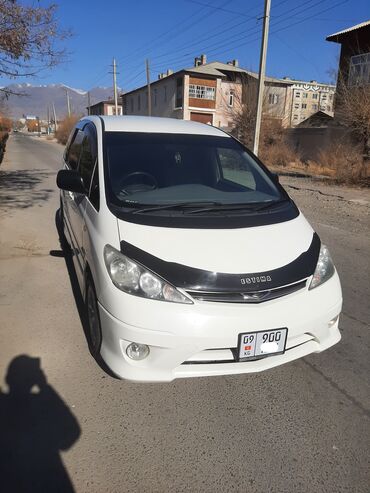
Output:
x,y
344,207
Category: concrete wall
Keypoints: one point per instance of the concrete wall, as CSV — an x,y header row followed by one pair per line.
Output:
x,y
163,95
225,112
277,103
308,142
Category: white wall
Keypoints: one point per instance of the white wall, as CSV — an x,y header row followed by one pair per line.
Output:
x,y
163,95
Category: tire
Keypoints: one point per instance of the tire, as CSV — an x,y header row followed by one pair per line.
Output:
x,y
92,318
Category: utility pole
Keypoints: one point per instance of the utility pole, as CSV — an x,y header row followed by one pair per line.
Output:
x,y
148,84
261,79
115,85
48,122
88,103
68,103
55,119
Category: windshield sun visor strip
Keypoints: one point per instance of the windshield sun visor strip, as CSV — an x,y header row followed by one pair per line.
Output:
x,y
194,279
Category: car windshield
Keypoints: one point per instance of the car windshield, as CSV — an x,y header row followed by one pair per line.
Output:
x,y
150,169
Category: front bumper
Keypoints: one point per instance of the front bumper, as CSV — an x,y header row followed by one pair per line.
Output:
x,y
195,340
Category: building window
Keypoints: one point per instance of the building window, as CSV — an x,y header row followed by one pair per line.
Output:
x,y
132,104
305,95
328,108
330,97
314,107
138,103
273,98
119,110
297,94
314,95
165,93
296,106
323,96
155,97
231,99
304,106
359,70
295,117
202,92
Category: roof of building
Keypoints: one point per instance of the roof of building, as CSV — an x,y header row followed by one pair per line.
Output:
x,y
106,101
318,119
156,125
336,37
218,69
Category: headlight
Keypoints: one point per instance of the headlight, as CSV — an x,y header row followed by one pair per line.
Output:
x,y
133,278
324,268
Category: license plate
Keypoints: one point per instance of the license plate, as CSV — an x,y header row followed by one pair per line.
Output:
x,y
255,345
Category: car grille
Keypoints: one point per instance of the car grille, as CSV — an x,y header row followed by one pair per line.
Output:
x,y
250,297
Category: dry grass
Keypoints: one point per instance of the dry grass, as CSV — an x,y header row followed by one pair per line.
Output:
x,y
278,154
65,128
274,147
343,161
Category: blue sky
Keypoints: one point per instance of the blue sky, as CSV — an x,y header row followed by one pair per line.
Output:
x,y
171,33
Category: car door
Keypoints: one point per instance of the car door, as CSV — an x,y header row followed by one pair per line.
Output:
x,y
71,160
92,234
86,165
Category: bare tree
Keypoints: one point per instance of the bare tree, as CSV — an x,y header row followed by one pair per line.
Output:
x,y
353,110
243,111
29,39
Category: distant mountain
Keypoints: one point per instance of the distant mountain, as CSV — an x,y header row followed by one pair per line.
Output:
x,y
36,99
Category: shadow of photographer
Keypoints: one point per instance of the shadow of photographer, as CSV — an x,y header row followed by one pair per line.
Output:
x,y
35,425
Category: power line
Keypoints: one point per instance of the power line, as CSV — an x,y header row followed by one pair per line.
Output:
x,y
216,49
178,32
249,40
235,37
199,39
213,48
220,9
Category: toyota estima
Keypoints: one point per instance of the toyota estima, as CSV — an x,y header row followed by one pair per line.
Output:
x,y
191,257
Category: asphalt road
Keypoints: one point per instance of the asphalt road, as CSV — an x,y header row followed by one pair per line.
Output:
x,y
303,427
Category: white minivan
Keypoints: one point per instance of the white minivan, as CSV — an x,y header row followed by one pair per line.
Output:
x,y
191,257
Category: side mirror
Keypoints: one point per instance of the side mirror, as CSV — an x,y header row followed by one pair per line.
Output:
x,y
70,180
275,177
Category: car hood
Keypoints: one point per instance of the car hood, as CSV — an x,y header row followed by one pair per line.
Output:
x,y
272,255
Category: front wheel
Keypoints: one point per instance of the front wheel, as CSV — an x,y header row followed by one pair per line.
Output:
x,y
93,319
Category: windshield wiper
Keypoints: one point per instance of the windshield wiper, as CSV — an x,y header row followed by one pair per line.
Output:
x,y
208,206
178,205
253,206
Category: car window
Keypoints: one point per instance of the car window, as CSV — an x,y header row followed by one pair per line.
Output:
x,y
74,150
150,168
88,159
236,168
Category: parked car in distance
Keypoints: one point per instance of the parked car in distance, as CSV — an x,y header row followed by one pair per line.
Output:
x,y
191,257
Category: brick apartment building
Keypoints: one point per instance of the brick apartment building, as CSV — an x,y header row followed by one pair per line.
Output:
x,y
213,92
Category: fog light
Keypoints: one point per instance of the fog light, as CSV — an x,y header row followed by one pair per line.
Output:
x,y
137,351
333,321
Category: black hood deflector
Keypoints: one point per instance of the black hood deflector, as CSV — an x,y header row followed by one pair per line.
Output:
x,y
193,279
